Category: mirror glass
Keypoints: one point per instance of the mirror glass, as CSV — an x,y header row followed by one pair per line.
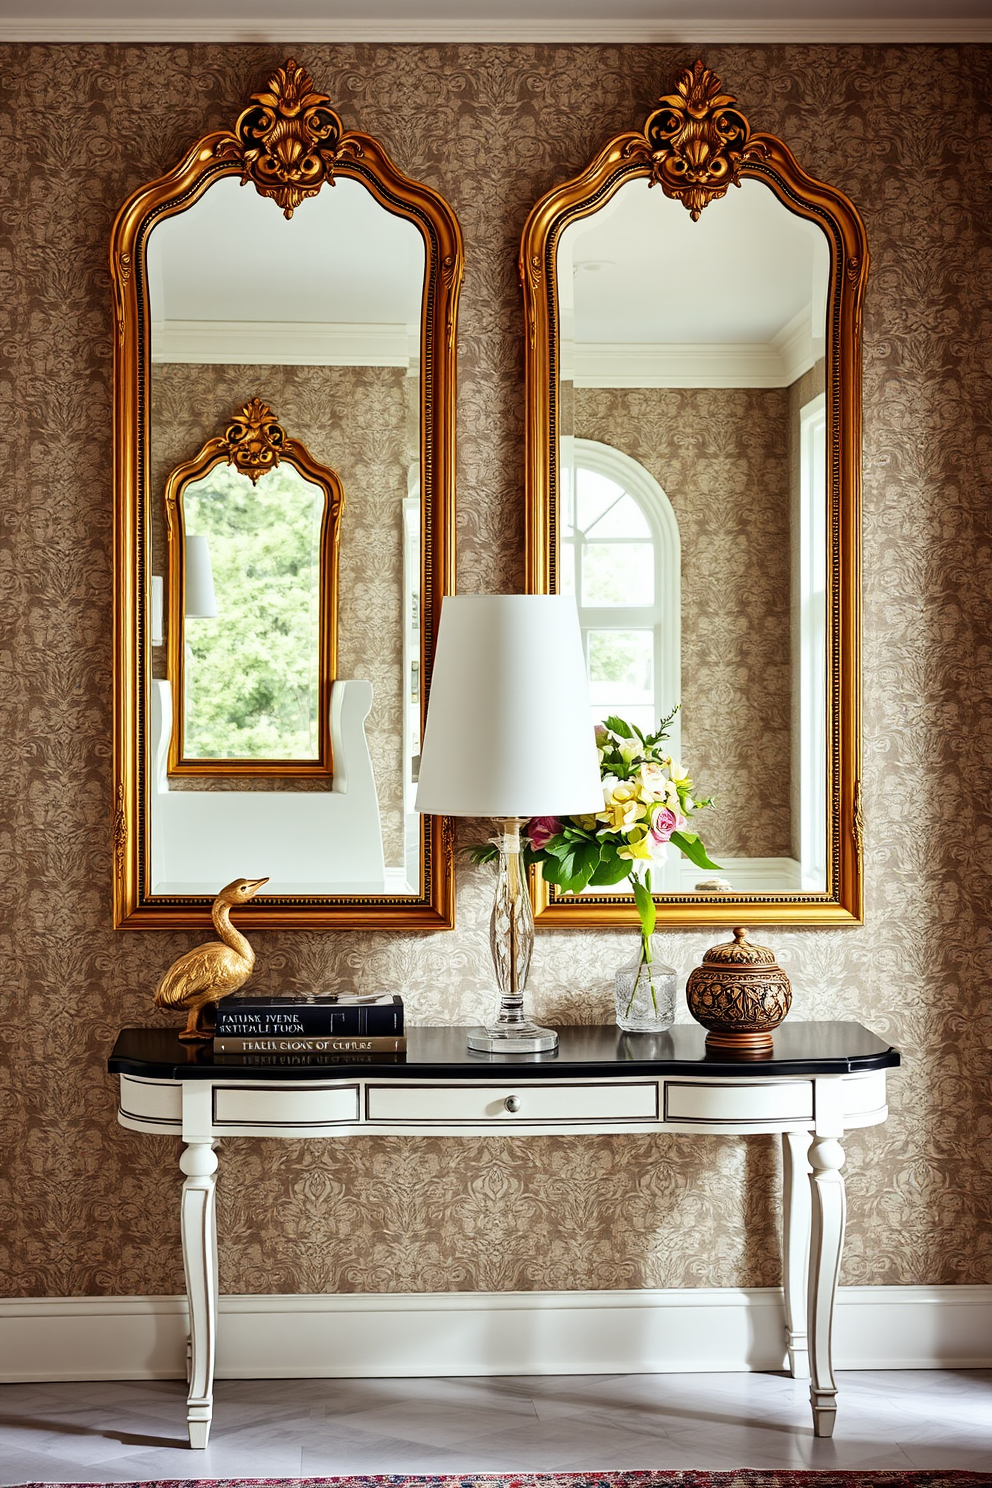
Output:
x,y
318,316
251,616
692,510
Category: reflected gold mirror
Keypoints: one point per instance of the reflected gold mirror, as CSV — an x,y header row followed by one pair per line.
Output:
x,y
284,482
693,310
253,528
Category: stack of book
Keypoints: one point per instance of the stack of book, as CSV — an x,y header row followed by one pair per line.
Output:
x,y
339,1027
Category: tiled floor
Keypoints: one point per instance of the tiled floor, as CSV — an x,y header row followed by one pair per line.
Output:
x,y
111,1433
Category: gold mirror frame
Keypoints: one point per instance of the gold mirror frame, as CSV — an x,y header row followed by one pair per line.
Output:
x,y
254,442
289,143
695,146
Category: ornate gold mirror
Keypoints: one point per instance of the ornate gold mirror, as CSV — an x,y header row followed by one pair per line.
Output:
x,y
286,309
253,527
693,466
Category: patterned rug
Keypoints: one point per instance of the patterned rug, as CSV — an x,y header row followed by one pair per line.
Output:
x,y
745,1477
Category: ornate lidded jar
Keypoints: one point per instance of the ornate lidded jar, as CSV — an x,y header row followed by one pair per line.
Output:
x,y
740,994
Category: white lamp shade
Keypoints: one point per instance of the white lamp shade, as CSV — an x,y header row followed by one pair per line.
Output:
x,y
201,601
509,724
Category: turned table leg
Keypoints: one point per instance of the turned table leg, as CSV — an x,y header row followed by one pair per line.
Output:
x,y
826,1156
199,1232
796,1201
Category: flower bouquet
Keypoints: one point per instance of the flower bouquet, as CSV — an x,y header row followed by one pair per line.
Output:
x,y
648,801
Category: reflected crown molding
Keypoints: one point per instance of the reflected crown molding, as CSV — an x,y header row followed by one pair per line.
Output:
x,y
286,343
631,364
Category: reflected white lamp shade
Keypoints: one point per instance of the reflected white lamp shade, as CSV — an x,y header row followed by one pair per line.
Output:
x,y
201,601
509,725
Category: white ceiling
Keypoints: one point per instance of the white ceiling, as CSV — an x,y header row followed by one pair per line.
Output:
x,y
643,271
234,257
607,20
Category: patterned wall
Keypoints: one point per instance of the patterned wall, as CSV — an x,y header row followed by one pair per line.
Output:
x,y
86,1207
721,455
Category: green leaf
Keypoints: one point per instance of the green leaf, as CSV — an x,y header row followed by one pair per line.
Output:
x,y
690,845
573,871
645,907
662,730
611,870
617,726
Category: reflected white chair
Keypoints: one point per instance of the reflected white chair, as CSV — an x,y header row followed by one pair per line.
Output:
x,y
307,842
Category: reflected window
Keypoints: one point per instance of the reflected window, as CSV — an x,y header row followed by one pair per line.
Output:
x,y
620,556
813,641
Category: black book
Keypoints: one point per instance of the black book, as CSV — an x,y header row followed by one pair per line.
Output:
x,y
345,1015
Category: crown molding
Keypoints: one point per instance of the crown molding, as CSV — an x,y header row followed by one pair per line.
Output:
x,y
840,32
284,343
628,364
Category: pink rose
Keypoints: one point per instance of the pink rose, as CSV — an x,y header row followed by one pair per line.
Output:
x,y
541,829
666,822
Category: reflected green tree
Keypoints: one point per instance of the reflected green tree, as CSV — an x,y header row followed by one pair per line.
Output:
x,y
252,674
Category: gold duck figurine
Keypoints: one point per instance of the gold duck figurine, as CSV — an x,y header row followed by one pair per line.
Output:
x,y
209,972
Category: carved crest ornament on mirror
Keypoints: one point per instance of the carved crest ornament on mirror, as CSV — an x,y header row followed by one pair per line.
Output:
x,y
693,449
279,583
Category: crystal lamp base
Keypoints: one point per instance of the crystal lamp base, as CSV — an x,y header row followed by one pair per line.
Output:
x,y
513,1038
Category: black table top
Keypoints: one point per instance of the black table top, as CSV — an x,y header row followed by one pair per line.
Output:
x,y
801,1049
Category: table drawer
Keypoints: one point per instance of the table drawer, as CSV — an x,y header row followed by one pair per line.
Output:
x,y
522,1104
286,1105
153,1102
714,1102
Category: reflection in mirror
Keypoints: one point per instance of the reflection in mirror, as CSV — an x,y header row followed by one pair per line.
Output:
x,y
271,719
693,457
251,618
685,393
346,382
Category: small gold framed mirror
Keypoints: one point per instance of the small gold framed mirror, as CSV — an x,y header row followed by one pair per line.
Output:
x,y
287,272
693,388
253,534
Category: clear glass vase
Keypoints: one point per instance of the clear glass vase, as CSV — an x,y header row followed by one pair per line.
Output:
x,y
645,989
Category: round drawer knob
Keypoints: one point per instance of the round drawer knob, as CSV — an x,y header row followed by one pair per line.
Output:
x,y
512,1103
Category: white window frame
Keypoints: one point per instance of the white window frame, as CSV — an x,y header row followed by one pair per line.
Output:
x,y
813,644
664,617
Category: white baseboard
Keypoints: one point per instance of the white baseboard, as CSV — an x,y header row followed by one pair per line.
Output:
x,y
473,1333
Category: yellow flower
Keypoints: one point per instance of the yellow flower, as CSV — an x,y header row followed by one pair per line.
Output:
x,y
622,808
621,815
635,847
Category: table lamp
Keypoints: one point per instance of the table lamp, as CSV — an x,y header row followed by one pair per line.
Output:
x,y
509,734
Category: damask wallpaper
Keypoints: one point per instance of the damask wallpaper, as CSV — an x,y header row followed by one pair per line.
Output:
x,y
358,421
86,1207
721,456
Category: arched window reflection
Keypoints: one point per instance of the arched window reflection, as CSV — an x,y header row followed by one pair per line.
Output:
x,y
620,555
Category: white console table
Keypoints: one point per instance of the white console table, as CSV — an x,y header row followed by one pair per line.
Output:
x,y
821,1080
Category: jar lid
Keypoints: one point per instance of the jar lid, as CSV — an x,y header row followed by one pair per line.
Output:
x,y
740,952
